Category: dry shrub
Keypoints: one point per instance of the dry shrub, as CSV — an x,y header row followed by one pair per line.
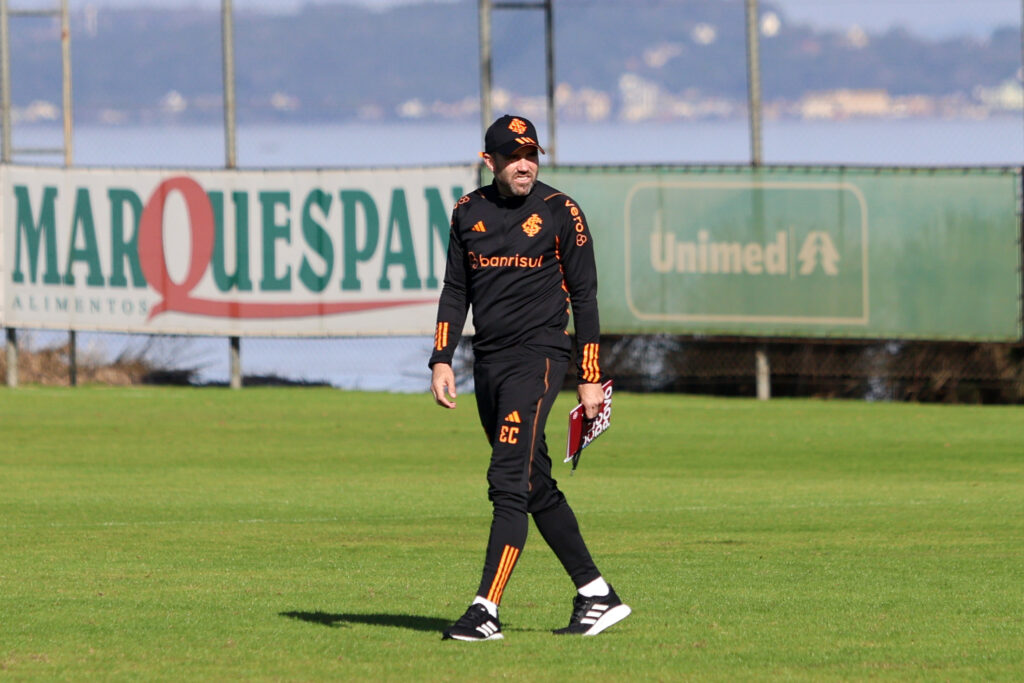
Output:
x,y
51,367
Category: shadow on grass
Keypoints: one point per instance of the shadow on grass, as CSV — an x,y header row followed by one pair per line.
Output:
x,y
408,621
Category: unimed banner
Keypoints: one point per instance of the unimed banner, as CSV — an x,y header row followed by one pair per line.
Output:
x,y
816,252
877,253
226,252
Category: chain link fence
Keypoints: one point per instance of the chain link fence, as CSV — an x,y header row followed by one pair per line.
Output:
x,y
894,370
354,363
887,370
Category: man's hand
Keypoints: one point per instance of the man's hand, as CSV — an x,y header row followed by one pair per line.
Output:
x,y
442,385
591,397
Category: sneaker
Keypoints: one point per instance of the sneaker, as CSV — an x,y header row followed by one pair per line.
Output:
x,y
476,624
590,616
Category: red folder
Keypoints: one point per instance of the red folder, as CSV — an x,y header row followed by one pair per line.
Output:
x,y
582,431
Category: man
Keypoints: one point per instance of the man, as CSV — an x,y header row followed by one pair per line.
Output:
x,y
520,254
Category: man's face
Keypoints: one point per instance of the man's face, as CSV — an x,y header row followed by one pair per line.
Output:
x,y
516,173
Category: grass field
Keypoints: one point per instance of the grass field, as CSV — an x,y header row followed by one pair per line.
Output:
x,y
305,534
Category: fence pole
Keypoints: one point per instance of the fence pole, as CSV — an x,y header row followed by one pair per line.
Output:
x,y
231,154
486,73
764,379
5,83
762,368
754,81
486,8
235,360
5,157
73,358
12,357
66,106
65,61
549,51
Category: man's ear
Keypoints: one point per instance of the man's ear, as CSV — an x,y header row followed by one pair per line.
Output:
x,y
489,160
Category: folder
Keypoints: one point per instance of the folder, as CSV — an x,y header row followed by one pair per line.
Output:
x,y
582,431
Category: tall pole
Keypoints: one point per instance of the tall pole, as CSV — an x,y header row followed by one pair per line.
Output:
x,y
486,72
65,61
762,368
231,156
5,81
754,81
549,44
5,157
228,44
486,8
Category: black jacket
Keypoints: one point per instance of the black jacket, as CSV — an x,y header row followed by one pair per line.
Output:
x,y
521,263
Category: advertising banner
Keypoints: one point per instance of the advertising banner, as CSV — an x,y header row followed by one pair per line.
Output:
x,y
289,253
815,252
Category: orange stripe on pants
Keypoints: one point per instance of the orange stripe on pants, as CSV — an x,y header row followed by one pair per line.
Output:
x,y
508,561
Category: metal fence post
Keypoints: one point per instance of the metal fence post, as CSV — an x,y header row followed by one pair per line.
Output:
x,y
5,157
487,59
764,379
754,81
231,155
486,68
5,83
549,51
72,358
65,59
12,357
762,368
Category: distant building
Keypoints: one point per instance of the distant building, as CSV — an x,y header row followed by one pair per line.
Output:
x,y
173,102
1007,96
585,104
39,110
639,97
841,104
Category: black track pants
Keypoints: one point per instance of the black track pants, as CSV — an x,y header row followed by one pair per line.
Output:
x,y
514,399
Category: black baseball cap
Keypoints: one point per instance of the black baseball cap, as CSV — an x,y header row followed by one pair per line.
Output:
x,y
509,133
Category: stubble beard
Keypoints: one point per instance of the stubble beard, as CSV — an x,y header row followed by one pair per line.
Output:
x,y
514,189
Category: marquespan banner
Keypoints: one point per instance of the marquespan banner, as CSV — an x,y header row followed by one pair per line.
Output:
x,y
816,252
290,253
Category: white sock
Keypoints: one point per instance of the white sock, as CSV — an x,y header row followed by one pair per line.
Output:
x,y
595,588
491,607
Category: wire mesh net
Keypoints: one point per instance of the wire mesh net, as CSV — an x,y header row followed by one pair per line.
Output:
x,y
889,370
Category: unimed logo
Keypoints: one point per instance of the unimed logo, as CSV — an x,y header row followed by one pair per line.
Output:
x,y
705,256
737,250
231,254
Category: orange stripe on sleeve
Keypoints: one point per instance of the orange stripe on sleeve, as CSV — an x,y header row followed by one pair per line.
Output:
x,y
441,337
591,364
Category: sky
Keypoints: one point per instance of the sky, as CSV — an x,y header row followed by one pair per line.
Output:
x,y
931,18
936,18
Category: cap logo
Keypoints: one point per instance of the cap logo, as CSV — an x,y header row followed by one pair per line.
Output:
x,y
526,141
517,126
532,225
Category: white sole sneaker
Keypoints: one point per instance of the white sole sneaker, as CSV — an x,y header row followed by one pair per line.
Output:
x,y
496,636
609,618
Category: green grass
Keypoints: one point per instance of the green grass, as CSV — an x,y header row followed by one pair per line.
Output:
x,y
304,534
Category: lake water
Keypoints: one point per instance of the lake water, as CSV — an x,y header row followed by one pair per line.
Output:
x,y
358,363
996,141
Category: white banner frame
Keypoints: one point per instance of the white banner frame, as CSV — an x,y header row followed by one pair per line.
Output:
x,y
289,253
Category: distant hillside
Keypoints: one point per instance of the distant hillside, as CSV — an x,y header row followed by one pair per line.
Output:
x,y
339,62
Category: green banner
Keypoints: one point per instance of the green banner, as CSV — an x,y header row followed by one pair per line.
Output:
x,y
815,252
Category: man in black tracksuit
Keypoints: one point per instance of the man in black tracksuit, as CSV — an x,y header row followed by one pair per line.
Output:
x,y
521,254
